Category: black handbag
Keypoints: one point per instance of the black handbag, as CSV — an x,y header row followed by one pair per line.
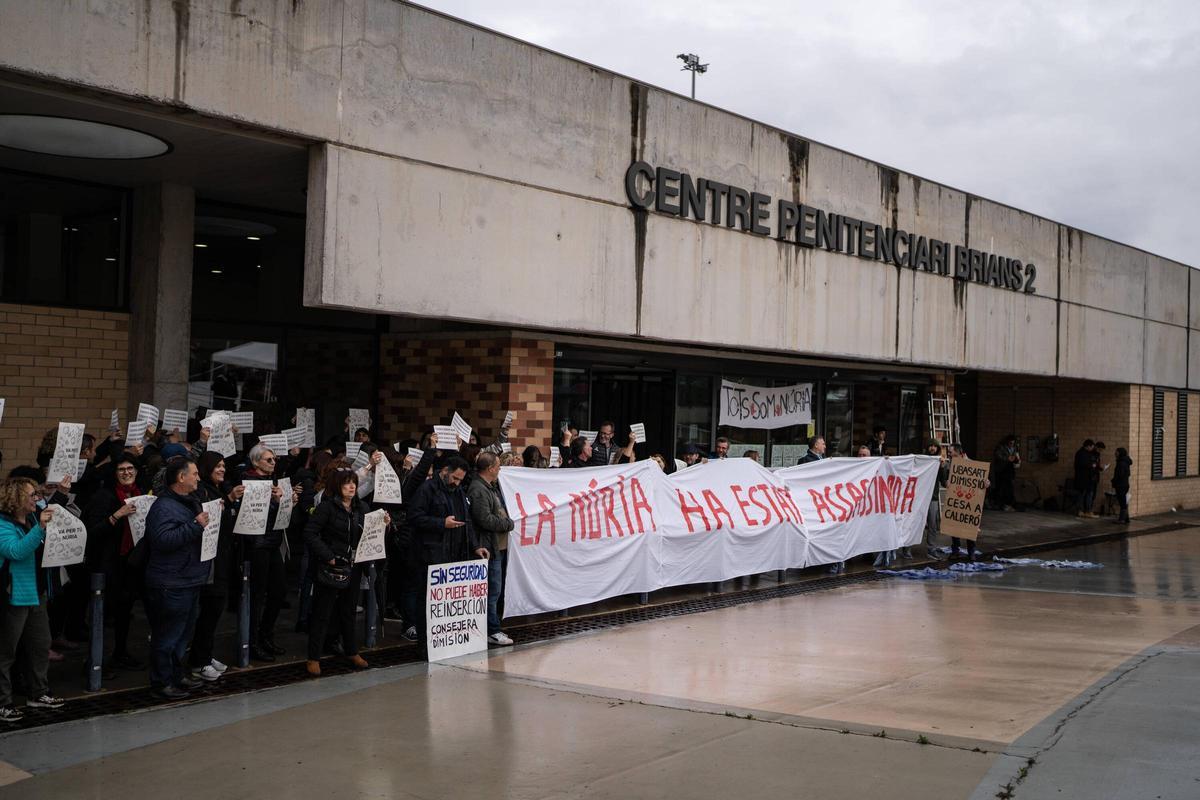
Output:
x,y
335,576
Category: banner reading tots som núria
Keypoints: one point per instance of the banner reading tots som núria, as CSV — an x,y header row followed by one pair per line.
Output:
x,y
745,406
583,535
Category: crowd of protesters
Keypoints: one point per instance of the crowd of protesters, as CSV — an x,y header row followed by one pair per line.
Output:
x,y
452,510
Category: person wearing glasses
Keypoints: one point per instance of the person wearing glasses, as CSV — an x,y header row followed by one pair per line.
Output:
x,y
267,578
23,614
109,543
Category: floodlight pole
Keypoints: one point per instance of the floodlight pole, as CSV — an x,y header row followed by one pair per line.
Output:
x,y
691,62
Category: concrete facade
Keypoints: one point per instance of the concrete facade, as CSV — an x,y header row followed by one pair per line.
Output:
x,y
510,164
457,177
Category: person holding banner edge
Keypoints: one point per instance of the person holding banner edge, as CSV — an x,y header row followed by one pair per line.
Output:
x,y
492,524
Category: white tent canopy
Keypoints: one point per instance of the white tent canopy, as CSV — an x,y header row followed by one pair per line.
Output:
x,y
257,355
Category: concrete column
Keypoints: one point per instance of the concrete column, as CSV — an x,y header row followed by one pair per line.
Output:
x,y
160,298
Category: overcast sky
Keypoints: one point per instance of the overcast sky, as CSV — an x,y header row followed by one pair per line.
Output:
x,y
1084,112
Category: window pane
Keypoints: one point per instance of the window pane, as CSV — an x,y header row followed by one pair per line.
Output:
x,y
839,419
570,398
693,412
61,243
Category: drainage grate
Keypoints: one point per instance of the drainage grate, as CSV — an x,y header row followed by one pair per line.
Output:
x,y
260,678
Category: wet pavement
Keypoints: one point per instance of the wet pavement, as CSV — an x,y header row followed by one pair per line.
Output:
x,y
1030,682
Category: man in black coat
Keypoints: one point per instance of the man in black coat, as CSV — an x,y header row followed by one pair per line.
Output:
x,y
1085,472
816,450
440,515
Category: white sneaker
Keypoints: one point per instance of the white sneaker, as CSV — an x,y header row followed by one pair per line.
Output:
x,y
11,714
500,638
206,673
46,701
218,666
410,633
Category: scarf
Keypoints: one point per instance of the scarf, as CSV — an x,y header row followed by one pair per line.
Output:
x,y
123,494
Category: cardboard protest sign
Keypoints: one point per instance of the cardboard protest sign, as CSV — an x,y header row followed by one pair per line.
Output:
x,y
370,545
175,420
137,520
212,531
306,420
460,427
148,413
65,461
639,432
962,513
765,407
446,437
255,509
456,609
66,539
387,483
283,517
359,418
243,421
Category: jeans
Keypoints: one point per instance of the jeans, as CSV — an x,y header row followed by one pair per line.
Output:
x,y
495,587
268,585
212,604
933,523
172,615
1087,500
30,627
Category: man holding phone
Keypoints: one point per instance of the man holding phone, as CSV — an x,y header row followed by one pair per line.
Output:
x,y
440,514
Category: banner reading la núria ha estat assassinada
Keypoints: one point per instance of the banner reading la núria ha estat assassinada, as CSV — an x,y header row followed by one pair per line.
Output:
x,y
583,535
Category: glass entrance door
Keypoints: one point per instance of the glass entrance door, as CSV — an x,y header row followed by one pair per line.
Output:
x,y
625,396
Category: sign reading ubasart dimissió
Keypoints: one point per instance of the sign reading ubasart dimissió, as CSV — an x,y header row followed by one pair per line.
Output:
x,y
962,513
456,609
744,406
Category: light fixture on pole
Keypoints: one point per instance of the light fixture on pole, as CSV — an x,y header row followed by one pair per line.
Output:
x,y
691,62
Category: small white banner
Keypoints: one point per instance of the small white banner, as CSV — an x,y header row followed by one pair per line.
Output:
x,y
765,407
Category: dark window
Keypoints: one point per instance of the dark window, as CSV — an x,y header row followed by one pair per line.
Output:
x,y
1181,432
62,243
1156,432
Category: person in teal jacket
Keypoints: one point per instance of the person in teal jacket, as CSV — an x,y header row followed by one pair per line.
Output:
x,y
22,608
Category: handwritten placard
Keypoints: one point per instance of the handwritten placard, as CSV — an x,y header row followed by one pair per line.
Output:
x,y
456,609
387,483
765,407
962,513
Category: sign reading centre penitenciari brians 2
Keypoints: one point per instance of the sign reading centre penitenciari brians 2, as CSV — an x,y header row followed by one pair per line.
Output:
x,y
670,192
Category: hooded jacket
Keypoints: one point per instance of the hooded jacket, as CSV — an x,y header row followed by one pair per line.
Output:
x,y
491,520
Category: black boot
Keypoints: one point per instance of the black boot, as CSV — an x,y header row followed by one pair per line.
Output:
x,y
259,654
268,645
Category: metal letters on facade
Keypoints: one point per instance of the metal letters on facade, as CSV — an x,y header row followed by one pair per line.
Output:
x,y
677,193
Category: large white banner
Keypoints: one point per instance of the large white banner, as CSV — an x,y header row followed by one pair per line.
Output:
x,y
583,535
745,406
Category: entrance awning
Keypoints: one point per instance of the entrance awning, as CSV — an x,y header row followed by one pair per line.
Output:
x,y
257,355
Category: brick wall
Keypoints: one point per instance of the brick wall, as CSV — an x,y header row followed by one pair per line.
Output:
x,y
1075,410
1119,415
424,381
1151,496
58,365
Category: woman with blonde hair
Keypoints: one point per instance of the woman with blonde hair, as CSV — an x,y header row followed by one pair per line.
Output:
x,y
23,608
